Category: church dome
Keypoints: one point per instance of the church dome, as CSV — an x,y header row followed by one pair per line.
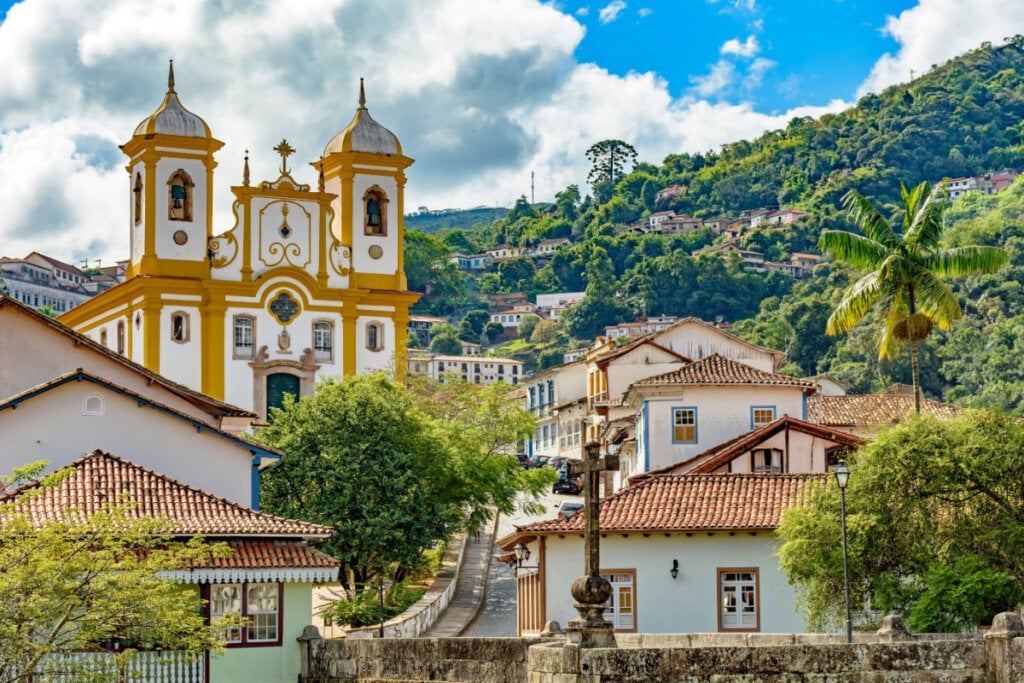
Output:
x,y
364,134
171,118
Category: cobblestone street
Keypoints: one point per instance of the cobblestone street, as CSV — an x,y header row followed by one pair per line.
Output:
x,y
497,616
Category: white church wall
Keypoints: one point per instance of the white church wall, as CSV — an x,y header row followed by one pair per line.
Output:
x,y
362,261
195,248
179,359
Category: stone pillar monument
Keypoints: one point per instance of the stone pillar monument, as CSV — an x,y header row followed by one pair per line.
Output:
x,y
591,590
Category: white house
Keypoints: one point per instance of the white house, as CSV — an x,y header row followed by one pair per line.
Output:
x,y
684,553
697,339
682,413
557,399
268,578
477,369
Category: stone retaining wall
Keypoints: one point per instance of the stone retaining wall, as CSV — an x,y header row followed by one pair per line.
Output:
x,y
456,660
425,612
889,657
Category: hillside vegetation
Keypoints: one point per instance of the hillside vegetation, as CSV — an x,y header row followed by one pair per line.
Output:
x,y
963,118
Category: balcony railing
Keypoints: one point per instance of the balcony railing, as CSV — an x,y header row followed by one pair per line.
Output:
x,y
145,667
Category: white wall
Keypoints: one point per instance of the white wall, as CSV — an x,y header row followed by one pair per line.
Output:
x,y
51,427
723,412
195,248
696,341
687,604
179,361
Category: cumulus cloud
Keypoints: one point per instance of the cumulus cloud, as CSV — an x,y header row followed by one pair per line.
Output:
x,y
583,11
645,12
747,48
721,76
611,11
937,30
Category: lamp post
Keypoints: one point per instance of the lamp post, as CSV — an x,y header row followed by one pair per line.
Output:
x,y
382,605
842,473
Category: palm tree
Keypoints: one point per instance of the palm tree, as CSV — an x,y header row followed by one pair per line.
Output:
x,y
906,271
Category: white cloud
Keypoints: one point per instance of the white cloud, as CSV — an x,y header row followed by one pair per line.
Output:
x,y
937,30
645,12
756,72
721,76
611,11
747,48
583,11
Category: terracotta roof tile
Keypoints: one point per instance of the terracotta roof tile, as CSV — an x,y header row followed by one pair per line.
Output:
x,y
692,502
99,479
717,369
271,554
878,409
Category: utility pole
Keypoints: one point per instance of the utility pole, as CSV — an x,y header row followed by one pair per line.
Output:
x,y
532,199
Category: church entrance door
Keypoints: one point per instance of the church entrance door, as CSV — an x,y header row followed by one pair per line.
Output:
x,y
278,385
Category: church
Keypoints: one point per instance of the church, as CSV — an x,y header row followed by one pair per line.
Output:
x,y
308,283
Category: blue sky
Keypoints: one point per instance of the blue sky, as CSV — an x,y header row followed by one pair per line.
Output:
x,y
786,54
481,93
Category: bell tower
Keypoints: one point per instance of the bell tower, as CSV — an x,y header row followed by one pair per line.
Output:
x,y
171,163
364,166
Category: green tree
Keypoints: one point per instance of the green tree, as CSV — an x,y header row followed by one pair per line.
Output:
x,y
393,470
934,526
494,330
364,460
72,585
906,271
568,203
608,159
446,344
527,324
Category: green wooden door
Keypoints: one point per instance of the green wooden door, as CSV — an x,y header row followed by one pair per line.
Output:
x,y
278,385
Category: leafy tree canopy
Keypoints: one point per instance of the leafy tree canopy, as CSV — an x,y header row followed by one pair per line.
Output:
x,y
74,586
934,526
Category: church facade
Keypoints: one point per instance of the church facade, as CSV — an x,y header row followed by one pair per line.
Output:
x,y
308,282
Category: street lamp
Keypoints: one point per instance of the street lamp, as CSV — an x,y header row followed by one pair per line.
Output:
x,y
522,553
842,473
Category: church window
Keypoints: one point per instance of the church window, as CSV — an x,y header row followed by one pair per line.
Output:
x,y
93,405
323,340
120,336
245,336
138,198
103,338
179,327
375,336
375,214
179,196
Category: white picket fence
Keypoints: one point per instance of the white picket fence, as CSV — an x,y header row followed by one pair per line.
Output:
x,y
145,667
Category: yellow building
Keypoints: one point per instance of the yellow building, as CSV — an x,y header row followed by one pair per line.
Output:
x,y
307,283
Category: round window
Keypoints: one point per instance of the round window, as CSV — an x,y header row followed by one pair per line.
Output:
x,y
180,237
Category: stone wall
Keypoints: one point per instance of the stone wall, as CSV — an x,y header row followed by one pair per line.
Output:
x,y
889,657
456,660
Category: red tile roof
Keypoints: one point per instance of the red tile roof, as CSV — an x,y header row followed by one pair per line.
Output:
x,y
717,369
99,479
250,553
691,502
879,409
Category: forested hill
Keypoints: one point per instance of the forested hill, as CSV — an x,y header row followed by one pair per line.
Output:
x,y
432,221
963,118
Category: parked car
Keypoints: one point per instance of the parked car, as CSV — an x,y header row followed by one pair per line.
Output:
x,y
539,461
557,461
567,484
524,460
569,507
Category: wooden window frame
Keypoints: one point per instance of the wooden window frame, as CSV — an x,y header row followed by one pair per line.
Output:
x,y
753,413
757,598
244,629
675,426
321,355
379,327
122,337
234,337
636,616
